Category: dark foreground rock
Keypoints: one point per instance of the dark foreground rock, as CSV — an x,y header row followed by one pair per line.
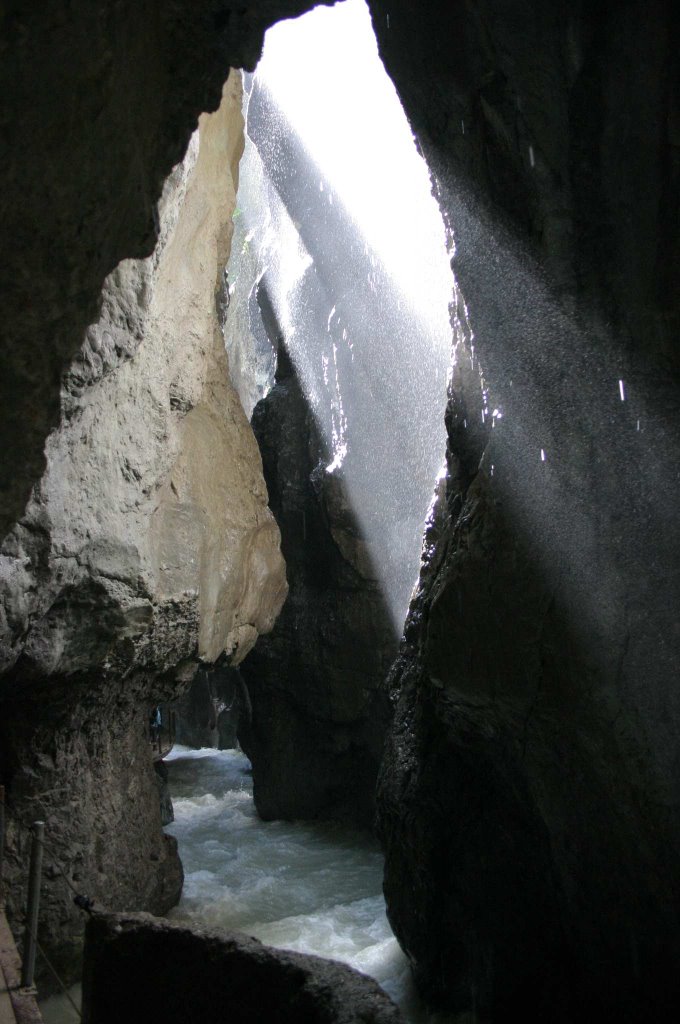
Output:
x,y
528,801
84,767
137,967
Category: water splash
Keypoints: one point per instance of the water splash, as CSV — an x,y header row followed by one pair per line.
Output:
x,y
361,287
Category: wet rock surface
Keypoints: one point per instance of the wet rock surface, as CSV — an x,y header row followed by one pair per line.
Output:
x,y
83,766
146,548
164,797
98,105
528,798
316,683
209,713
133,962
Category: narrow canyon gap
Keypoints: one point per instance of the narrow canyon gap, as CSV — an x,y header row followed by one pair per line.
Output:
x,y
343,264
528,798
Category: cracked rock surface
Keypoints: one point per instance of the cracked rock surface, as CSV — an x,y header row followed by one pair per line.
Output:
x,y
146,547
98,105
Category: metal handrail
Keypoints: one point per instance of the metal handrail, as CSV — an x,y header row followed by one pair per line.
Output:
x,y
162,735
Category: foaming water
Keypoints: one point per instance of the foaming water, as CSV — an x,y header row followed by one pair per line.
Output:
x,y
313,888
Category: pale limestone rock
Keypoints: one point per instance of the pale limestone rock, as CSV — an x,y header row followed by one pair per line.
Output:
x,y
148,541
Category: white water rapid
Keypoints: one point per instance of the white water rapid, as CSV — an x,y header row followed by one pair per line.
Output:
x,y
305,886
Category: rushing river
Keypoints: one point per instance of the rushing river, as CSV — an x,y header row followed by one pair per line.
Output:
x,y
310,887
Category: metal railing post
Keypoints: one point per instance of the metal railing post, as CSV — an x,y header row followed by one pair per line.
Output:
x,y
2,845
31,930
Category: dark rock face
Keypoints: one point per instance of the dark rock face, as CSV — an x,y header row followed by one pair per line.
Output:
x,y
134,557
80,762
133,962
208,715
528,798
319,707
97,107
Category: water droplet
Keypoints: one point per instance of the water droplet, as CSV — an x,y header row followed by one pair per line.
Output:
x,y
462,126
622,391
388,21
532,158
638,425
542,455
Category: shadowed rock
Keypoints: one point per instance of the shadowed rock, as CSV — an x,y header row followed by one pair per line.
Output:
x,y
317,682
146,548
529,796
136,965
98,105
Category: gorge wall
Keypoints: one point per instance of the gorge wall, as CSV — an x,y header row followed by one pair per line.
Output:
x,y
208,715
98,105
528,801
131,961
352,432
316,683
529,796
146,547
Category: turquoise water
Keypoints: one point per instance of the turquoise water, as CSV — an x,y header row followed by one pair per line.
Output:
x,y
314,888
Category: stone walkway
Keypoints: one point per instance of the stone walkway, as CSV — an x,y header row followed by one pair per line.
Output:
x,y
17,1005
